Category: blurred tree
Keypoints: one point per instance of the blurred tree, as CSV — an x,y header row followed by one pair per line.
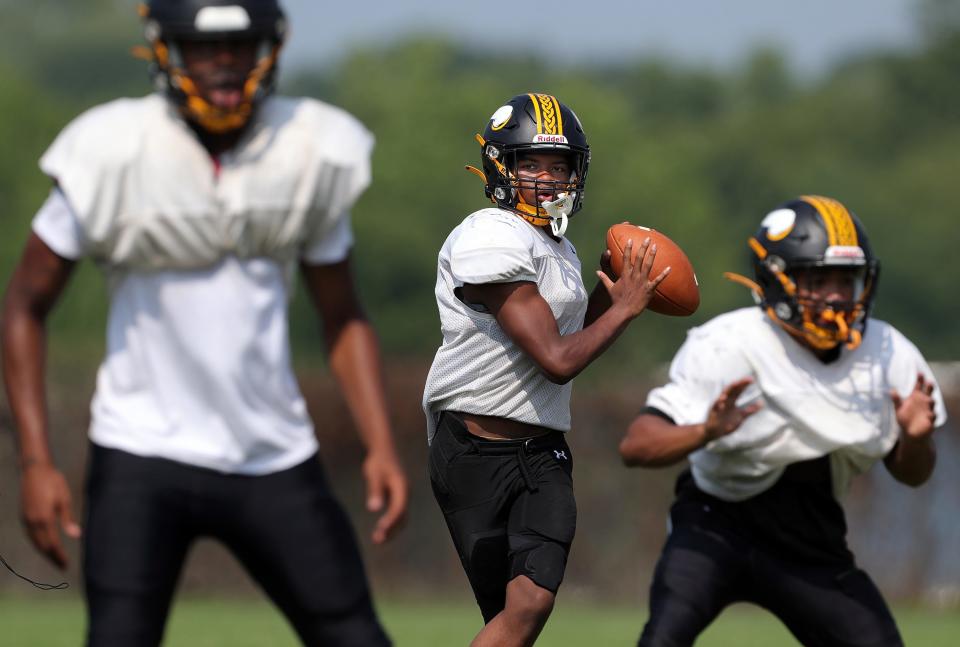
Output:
x,y
699,154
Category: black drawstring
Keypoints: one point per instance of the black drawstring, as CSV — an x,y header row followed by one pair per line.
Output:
x,y
39,585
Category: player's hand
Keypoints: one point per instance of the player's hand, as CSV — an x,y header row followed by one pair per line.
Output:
x,y
605,266
915,413
634,288
46,509
725,417
387,491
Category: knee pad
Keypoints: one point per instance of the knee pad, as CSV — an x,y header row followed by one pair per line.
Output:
x,y
543,562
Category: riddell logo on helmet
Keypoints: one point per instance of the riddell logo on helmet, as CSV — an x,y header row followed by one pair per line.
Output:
x,y
843,252
549,139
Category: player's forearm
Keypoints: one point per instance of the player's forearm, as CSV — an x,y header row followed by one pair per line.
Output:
x,y
912,460
568,355
23,340
652,441
355,363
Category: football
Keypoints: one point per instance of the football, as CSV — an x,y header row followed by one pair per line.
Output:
x,y
679,294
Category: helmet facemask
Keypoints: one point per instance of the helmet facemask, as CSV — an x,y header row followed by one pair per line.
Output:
x,y
825,324
542,201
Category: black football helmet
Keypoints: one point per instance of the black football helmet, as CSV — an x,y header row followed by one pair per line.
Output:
x,y
807,233
534,123
169,22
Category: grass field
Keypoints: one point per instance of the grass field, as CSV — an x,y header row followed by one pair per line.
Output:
x,y
57,621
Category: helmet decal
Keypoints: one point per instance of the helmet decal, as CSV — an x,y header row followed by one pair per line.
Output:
x,y
501,117
549,139
842,254
779,223
217,19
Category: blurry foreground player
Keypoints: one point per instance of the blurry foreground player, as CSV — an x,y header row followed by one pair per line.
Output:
x,y
198,202
517,327
777,408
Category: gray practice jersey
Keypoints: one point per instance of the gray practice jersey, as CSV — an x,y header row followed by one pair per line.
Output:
x,y
478,369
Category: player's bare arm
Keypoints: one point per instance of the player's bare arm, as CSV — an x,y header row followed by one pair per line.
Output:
x,y
913,458
526,317
354,357
34,289
654,441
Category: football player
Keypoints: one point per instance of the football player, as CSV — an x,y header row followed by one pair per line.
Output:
x,y
198,201
777,408
517,327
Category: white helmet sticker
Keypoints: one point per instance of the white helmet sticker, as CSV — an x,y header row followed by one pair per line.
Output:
x,y
229,18
779,223
549,139
501,117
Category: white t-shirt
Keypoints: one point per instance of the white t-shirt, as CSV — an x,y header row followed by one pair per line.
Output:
x,y
197,368
810,409
478,369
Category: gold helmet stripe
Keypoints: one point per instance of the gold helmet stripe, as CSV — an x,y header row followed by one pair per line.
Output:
x,y
839,223
536,110
556,107
547,111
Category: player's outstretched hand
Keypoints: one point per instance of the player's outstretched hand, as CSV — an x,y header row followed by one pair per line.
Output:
x,y
45,505
387,492
915,413
634,288
725,416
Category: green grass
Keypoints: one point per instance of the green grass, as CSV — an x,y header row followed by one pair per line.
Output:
x,y
55,620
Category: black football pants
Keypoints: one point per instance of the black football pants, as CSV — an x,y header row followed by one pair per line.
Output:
x,y
707,565
509,506
142,514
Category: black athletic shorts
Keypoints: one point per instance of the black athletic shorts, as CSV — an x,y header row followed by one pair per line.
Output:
x,y
294,539
783,550
509,506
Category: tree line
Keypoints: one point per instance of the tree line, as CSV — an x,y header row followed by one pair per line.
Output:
x,y
698,153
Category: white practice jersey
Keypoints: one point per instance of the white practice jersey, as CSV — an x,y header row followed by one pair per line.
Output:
x,y
198,259
478,369
810,409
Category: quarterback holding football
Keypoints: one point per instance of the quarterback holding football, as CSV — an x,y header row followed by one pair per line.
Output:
x,y
518,325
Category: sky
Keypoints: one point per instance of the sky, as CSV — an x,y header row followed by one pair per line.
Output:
x,y
813,34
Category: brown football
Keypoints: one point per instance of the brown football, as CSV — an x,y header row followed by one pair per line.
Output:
x,y
679,294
